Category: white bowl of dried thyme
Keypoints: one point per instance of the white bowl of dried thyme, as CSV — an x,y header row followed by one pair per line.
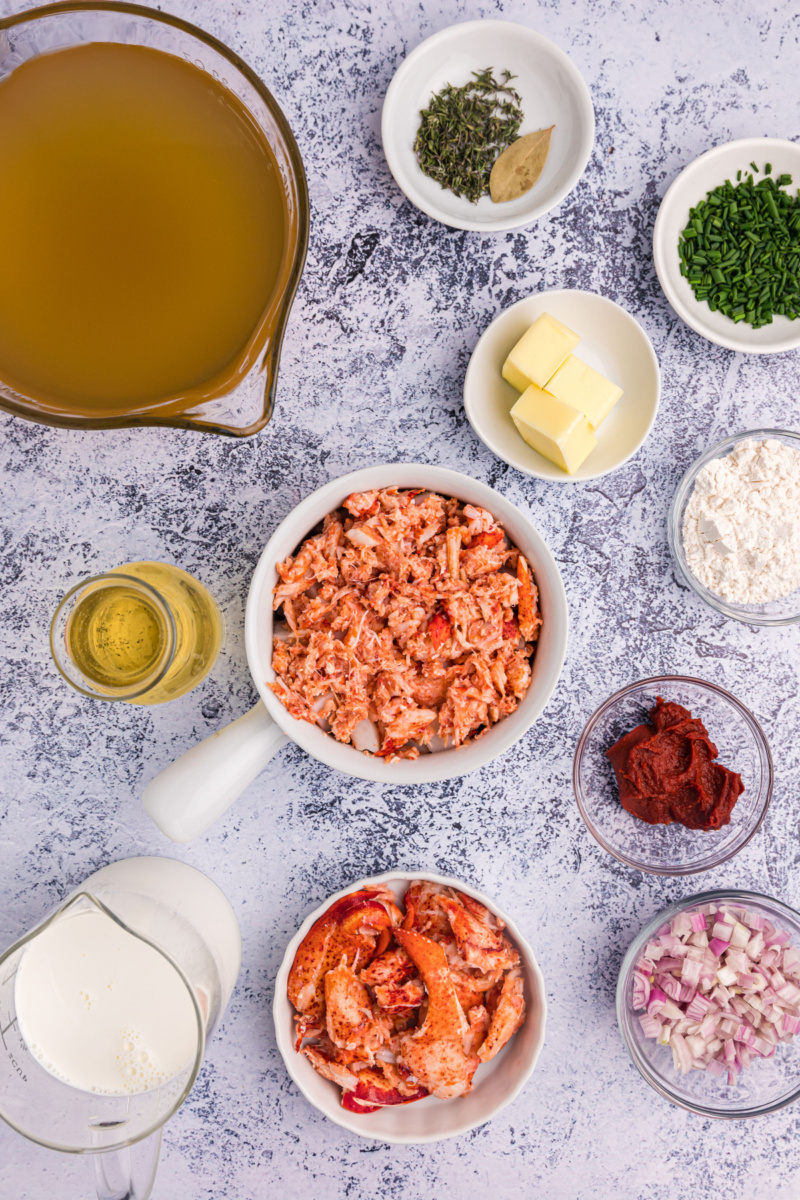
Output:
x,y
443,93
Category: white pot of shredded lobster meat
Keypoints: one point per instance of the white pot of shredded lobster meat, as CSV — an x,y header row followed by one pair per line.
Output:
x,y
191,793
495,1084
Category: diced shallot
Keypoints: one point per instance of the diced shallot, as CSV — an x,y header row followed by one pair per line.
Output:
x,y
651,1026
740,936
671,985
690,972
755,946
641,990
723,1001
789,993
791,960
698,1008
681,925
681,1054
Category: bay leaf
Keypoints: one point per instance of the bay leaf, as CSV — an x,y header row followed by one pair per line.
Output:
x,y
519,166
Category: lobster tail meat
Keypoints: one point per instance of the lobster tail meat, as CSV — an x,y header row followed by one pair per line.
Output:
x,y
507,1016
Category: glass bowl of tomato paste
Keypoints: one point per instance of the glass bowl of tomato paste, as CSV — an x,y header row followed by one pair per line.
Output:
x,y
672,849
737,1053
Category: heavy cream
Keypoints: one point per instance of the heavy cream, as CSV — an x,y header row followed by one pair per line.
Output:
x,y
101,1009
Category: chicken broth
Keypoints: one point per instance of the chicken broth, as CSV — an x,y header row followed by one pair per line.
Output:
x,y
145,221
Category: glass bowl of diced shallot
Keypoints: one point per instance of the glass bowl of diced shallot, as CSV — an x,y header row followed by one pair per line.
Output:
x,y
708,1003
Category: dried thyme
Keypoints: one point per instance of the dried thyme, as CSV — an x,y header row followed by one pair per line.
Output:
x,y
740,251
463,130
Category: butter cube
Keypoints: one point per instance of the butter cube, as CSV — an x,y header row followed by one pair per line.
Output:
x,y
555,429
585,389
539,353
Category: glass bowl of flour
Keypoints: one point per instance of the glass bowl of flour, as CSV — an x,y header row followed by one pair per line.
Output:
x,y
734,527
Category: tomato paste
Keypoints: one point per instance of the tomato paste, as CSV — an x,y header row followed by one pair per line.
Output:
x,y
666,771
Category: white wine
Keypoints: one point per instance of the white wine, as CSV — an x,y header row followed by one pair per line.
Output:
x,y
122,638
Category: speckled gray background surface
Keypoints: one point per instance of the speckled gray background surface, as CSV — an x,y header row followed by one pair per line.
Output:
x,y
389,309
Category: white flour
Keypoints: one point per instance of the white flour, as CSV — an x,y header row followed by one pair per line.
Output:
x,y
741,528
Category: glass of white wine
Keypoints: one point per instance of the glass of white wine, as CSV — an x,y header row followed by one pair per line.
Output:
x,y
145,632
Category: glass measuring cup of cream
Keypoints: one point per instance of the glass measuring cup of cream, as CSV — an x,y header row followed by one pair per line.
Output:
x,y
146,632
107,1007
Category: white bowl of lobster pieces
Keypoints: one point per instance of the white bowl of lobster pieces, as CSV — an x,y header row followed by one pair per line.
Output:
x,y
192,792
477,1063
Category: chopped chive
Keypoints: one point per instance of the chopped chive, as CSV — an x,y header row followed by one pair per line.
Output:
x,y
740,251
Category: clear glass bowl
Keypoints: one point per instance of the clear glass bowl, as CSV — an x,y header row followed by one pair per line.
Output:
x,y
769,1084
672,849
784,611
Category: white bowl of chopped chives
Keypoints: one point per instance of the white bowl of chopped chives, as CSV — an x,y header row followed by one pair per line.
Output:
x,y
550,91
726,245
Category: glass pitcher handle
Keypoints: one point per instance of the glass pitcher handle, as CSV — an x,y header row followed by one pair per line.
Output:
x,y
128,1174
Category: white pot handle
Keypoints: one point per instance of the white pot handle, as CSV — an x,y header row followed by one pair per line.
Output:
x,y
194,791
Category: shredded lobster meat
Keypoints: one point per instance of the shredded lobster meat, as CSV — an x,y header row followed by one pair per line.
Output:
x,y
410,1014
409,624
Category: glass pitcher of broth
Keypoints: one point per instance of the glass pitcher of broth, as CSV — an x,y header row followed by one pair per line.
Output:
x,y
157,290
106,1010
146,632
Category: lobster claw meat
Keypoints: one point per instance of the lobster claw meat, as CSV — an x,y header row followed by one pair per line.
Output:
x,y
350,1022
394,967
400,999
349,930
426,917
507,1017
308,1027
435,1053
480,940
328,1068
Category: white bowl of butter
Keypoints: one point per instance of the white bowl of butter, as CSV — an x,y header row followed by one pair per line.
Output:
x,y
611,343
